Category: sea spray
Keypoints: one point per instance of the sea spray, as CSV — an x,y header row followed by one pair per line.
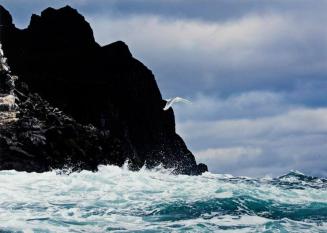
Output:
x,y
115,199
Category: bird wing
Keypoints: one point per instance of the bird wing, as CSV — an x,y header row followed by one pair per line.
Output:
x,y
170,102
179,99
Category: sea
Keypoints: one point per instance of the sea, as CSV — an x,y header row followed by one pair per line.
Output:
x,y
115,199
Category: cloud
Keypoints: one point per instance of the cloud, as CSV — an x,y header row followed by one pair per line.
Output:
x,y
242,105
290,123
256,146
257,52
208,10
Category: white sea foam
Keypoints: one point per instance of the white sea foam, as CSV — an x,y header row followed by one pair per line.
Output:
x,y
116,199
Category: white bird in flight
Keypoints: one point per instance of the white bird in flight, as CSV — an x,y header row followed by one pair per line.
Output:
x,y
170,102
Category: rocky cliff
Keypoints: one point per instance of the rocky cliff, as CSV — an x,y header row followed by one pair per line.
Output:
x,y
57,57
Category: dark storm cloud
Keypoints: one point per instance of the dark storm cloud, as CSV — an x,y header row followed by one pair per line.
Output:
x,y
295,139
219,10
188,8
275,52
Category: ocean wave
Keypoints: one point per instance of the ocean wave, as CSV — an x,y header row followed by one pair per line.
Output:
x,y
115,199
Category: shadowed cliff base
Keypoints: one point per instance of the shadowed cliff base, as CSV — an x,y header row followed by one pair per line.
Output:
x,y
57,57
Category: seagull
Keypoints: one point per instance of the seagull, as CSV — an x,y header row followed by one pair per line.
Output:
x,y
170,102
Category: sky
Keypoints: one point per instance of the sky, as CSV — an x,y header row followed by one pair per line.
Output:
x,y
255,71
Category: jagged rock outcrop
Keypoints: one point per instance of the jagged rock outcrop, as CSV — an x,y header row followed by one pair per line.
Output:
x,y
7,97
57,57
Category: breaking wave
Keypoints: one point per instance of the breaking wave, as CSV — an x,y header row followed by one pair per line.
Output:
x,y
118,200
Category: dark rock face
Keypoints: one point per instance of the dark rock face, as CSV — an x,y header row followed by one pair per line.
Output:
x,y
5,17
58,58
44,138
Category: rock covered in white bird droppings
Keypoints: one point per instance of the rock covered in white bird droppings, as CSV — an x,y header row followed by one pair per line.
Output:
x,y
8,105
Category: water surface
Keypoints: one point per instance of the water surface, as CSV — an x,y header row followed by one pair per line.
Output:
x,y
118,200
